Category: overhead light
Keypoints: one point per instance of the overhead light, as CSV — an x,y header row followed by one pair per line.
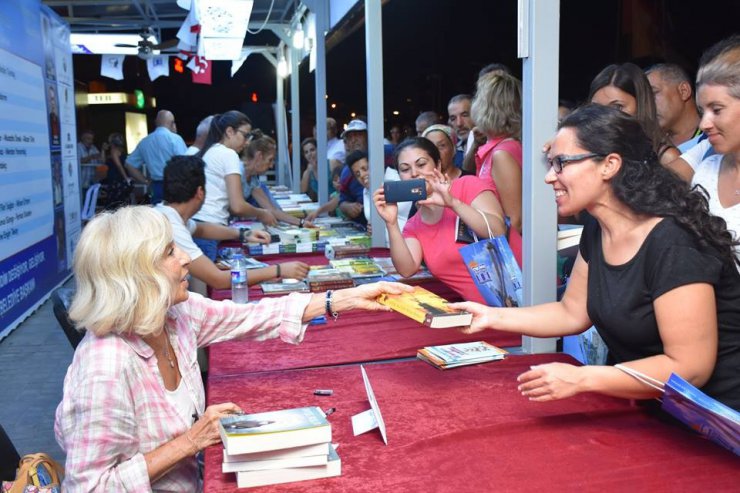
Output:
x,y
396,113
105,44
298,38
282,66
352,114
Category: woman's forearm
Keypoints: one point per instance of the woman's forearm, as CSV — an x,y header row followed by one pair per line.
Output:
x,y
473,218
401,256
163,458
546,320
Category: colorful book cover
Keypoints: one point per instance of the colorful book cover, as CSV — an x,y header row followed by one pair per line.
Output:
x,y
284,287
427,308
494,270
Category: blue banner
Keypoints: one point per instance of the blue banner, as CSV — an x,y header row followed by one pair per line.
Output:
x,y
39,191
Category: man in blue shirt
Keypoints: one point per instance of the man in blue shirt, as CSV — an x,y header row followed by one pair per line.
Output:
x,y
154,151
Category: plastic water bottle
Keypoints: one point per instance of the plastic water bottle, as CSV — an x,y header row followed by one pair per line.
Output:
x,y
239,288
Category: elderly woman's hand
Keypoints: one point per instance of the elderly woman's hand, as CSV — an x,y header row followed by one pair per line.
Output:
x,y
364,297
204,432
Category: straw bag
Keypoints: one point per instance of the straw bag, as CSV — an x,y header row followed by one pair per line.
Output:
x,y
37,473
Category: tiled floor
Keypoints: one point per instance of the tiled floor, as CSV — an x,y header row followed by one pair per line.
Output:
x,y
33,361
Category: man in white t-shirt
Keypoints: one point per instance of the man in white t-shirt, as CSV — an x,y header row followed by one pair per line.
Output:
x,y
184,193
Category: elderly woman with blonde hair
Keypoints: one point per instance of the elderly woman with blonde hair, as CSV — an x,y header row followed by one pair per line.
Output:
x,y
133,413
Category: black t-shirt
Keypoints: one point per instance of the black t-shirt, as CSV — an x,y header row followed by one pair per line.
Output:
x,y
620,298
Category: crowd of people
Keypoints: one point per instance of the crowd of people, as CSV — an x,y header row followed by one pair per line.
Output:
x,y
649,163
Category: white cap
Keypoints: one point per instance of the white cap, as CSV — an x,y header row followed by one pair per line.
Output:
x,y
355,126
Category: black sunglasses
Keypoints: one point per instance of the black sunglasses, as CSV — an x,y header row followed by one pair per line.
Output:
x,y
557,162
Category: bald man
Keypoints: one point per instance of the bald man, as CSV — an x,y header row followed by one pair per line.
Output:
x,y
154,151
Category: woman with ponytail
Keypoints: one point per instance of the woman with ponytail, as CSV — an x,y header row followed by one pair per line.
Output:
x,y
227,137
656,273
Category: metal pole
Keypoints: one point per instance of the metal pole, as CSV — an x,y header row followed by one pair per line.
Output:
x,y
539,47
374,62
295,116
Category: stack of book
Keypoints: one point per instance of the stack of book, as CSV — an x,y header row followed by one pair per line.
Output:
x,y
278,447
285,286
345,251
460,354
323,278
358,268
391,274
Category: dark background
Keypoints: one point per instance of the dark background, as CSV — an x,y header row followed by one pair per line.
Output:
x,y
432,50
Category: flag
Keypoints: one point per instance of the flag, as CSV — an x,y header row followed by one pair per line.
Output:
x,y
112,66
158,66
201,70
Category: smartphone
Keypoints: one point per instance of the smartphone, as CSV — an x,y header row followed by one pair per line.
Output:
x,y
405,191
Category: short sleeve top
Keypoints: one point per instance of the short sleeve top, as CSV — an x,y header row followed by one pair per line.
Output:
x,y
620,298
220,162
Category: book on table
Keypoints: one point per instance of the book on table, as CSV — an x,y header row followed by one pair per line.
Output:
x,y
357,267
332,468
460,354
321,279
262,465
250,433
427,308
284,286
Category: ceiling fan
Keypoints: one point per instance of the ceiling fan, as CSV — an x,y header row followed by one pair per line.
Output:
x,y
146,46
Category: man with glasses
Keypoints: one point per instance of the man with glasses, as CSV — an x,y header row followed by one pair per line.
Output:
x,y
154,151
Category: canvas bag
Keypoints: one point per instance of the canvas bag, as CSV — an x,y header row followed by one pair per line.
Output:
x,y
38,473
694,408
493,268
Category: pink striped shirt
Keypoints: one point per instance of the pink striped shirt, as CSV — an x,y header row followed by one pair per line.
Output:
x,y
114,409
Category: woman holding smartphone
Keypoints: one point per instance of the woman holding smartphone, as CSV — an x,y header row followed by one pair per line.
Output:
x,y
430,235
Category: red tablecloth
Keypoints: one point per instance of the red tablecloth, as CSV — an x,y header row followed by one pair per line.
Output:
x,y
469,430
355,337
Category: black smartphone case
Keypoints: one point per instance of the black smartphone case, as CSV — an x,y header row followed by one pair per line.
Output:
x,y
405,191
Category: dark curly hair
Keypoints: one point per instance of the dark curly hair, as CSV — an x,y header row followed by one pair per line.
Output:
x,y
642,183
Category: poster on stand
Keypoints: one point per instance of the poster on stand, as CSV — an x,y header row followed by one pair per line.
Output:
x,y
39,191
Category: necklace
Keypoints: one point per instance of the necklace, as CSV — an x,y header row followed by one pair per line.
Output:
x,y
167,351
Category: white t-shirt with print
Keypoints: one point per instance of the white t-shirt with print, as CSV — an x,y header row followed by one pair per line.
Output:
x,y
220,162
182,232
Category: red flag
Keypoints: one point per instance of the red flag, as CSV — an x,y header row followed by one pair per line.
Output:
x,y
201,70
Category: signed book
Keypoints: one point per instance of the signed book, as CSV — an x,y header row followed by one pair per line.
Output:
x,y
460,354
249,433
333,467
427,308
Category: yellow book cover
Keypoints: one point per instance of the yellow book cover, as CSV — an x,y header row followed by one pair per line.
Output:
x,y
427,308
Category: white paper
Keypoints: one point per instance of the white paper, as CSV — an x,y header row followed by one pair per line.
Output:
x,y
303,247
364,422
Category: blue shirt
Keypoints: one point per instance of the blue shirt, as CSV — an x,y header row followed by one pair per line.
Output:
x,y
155,150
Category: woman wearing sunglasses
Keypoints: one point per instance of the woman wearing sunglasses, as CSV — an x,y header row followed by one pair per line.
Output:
x,y
656,272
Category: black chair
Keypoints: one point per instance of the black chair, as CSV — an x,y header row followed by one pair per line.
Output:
x,y
9,457
61,299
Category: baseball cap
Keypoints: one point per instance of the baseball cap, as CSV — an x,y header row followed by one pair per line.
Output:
x,y
355,126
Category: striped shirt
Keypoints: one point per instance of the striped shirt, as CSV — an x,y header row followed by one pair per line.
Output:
x,y
114,409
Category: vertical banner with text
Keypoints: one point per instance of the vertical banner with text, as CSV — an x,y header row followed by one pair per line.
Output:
x,y
39,192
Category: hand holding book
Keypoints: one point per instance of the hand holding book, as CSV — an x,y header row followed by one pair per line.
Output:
x,y
481,316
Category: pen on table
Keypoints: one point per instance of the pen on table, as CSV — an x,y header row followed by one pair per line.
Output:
x,y
330,411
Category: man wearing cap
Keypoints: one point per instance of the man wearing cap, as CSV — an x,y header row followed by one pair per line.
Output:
x,y
351,192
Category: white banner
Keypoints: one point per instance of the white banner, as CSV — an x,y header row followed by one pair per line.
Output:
x,y
112,66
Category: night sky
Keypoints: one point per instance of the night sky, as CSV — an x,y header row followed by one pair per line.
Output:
x,y
433,50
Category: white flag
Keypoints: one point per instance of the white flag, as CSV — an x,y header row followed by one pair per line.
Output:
x,y
158,66
112,66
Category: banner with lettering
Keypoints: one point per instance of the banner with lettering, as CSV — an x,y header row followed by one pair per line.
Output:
x,y
39,191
